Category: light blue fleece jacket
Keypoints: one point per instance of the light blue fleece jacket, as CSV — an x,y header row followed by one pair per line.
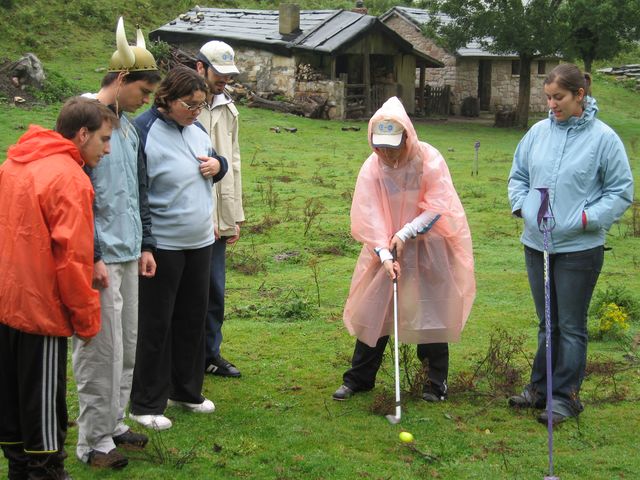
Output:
x,y
180,198
120,207
583,163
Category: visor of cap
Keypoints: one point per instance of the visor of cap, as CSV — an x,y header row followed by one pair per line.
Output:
x,y
392,141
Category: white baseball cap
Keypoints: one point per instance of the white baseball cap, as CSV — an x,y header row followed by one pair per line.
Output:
x,y
387,133
219,56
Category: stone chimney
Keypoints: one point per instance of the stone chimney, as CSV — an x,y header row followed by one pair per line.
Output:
x,y
289,18
360,8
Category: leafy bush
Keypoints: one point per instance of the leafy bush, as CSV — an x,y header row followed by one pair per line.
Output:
x,y
621,297
161,51
56,89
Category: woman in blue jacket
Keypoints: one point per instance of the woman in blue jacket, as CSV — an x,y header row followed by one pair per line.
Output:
x,y
182,167
583,164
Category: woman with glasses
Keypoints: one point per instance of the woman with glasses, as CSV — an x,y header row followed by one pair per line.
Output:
x,y
182,167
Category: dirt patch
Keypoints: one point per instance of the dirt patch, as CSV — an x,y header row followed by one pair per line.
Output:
x,y
9,92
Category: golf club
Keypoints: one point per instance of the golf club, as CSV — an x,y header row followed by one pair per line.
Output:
x,y
394,419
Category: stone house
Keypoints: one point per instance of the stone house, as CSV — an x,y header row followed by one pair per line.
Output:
x,y
347,59
471,71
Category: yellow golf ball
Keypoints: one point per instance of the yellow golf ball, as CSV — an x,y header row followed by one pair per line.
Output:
x,y
406,437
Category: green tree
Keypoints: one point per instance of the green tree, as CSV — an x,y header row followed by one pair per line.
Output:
x,y
529,29
599,29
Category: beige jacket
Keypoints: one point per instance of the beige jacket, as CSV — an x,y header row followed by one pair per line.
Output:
x,y
221,121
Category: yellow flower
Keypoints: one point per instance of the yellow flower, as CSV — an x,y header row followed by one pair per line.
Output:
x,y
613,319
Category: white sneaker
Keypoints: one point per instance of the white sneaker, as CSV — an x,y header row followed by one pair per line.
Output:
x,y
154,422
205,407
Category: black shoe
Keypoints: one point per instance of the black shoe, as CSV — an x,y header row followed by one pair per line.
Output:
x,y
432,397
113,459
343,393
131,440
556,418
222,367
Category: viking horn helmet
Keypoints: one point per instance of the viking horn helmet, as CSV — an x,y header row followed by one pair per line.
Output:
x,y
128,58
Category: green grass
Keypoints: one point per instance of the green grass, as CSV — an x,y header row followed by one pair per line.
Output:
x,y
278,421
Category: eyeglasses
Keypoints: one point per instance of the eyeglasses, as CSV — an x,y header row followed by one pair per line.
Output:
x,y
193,108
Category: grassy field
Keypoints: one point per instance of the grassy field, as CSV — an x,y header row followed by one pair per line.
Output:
x,y
286,290
288,279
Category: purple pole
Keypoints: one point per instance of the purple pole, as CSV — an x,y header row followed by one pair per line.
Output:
x,y
545,223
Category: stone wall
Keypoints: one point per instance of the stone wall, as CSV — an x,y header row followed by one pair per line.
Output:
x,y
505,86
264,71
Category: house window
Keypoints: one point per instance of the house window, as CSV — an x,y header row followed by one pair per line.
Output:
x,y
542,67
515,67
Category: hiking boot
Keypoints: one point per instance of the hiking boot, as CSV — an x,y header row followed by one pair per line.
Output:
x,y
113,459
343,393
206,406
525,400
556,418
131,440
154,422
222,367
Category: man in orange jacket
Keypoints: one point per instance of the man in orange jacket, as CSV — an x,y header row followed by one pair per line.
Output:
x,y
46,260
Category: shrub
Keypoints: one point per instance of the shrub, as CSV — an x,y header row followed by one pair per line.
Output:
x,y
55,89
161,51
613,320
621,297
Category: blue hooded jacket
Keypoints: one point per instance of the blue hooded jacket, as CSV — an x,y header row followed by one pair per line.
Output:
x,y
583,163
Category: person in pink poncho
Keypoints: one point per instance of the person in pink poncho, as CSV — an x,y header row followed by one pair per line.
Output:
x,y
405,201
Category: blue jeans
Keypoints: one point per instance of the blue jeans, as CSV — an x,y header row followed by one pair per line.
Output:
x,y
573,277
215,312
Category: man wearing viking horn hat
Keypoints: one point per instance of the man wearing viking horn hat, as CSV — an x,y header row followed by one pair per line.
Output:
x,y
124,248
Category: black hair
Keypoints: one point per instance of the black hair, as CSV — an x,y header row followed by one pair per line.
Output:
x,y
151,76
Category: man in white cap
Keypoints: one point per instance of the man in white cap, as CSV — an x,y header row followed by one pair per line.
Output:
x,y
215,62
124,247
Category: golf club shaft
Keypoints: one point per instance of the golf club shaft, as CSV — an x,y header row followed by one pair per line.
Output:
x,y
395,346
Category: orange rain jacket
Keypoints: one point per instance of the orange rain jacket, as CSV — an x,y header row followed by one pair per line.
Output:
x,y
46,238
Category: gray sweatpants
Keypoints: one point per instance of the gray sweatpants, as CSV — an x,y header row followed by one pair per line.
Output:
x,y
103,368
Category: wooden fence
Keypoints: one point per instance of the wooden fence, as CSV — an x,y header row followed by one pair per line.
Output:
x,y
437,100
361,102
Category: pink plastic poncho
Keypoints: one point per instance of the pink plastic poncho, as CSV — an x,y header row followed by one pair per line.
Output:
x,y
436,287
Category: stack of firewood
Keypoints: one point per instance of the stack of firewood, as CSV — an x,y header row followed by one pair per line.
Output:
x,y
306,73
310,106
624,72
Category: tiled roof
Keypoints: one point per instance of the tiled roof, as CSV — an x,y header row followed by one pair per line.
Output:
x,y
323,31
419,17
